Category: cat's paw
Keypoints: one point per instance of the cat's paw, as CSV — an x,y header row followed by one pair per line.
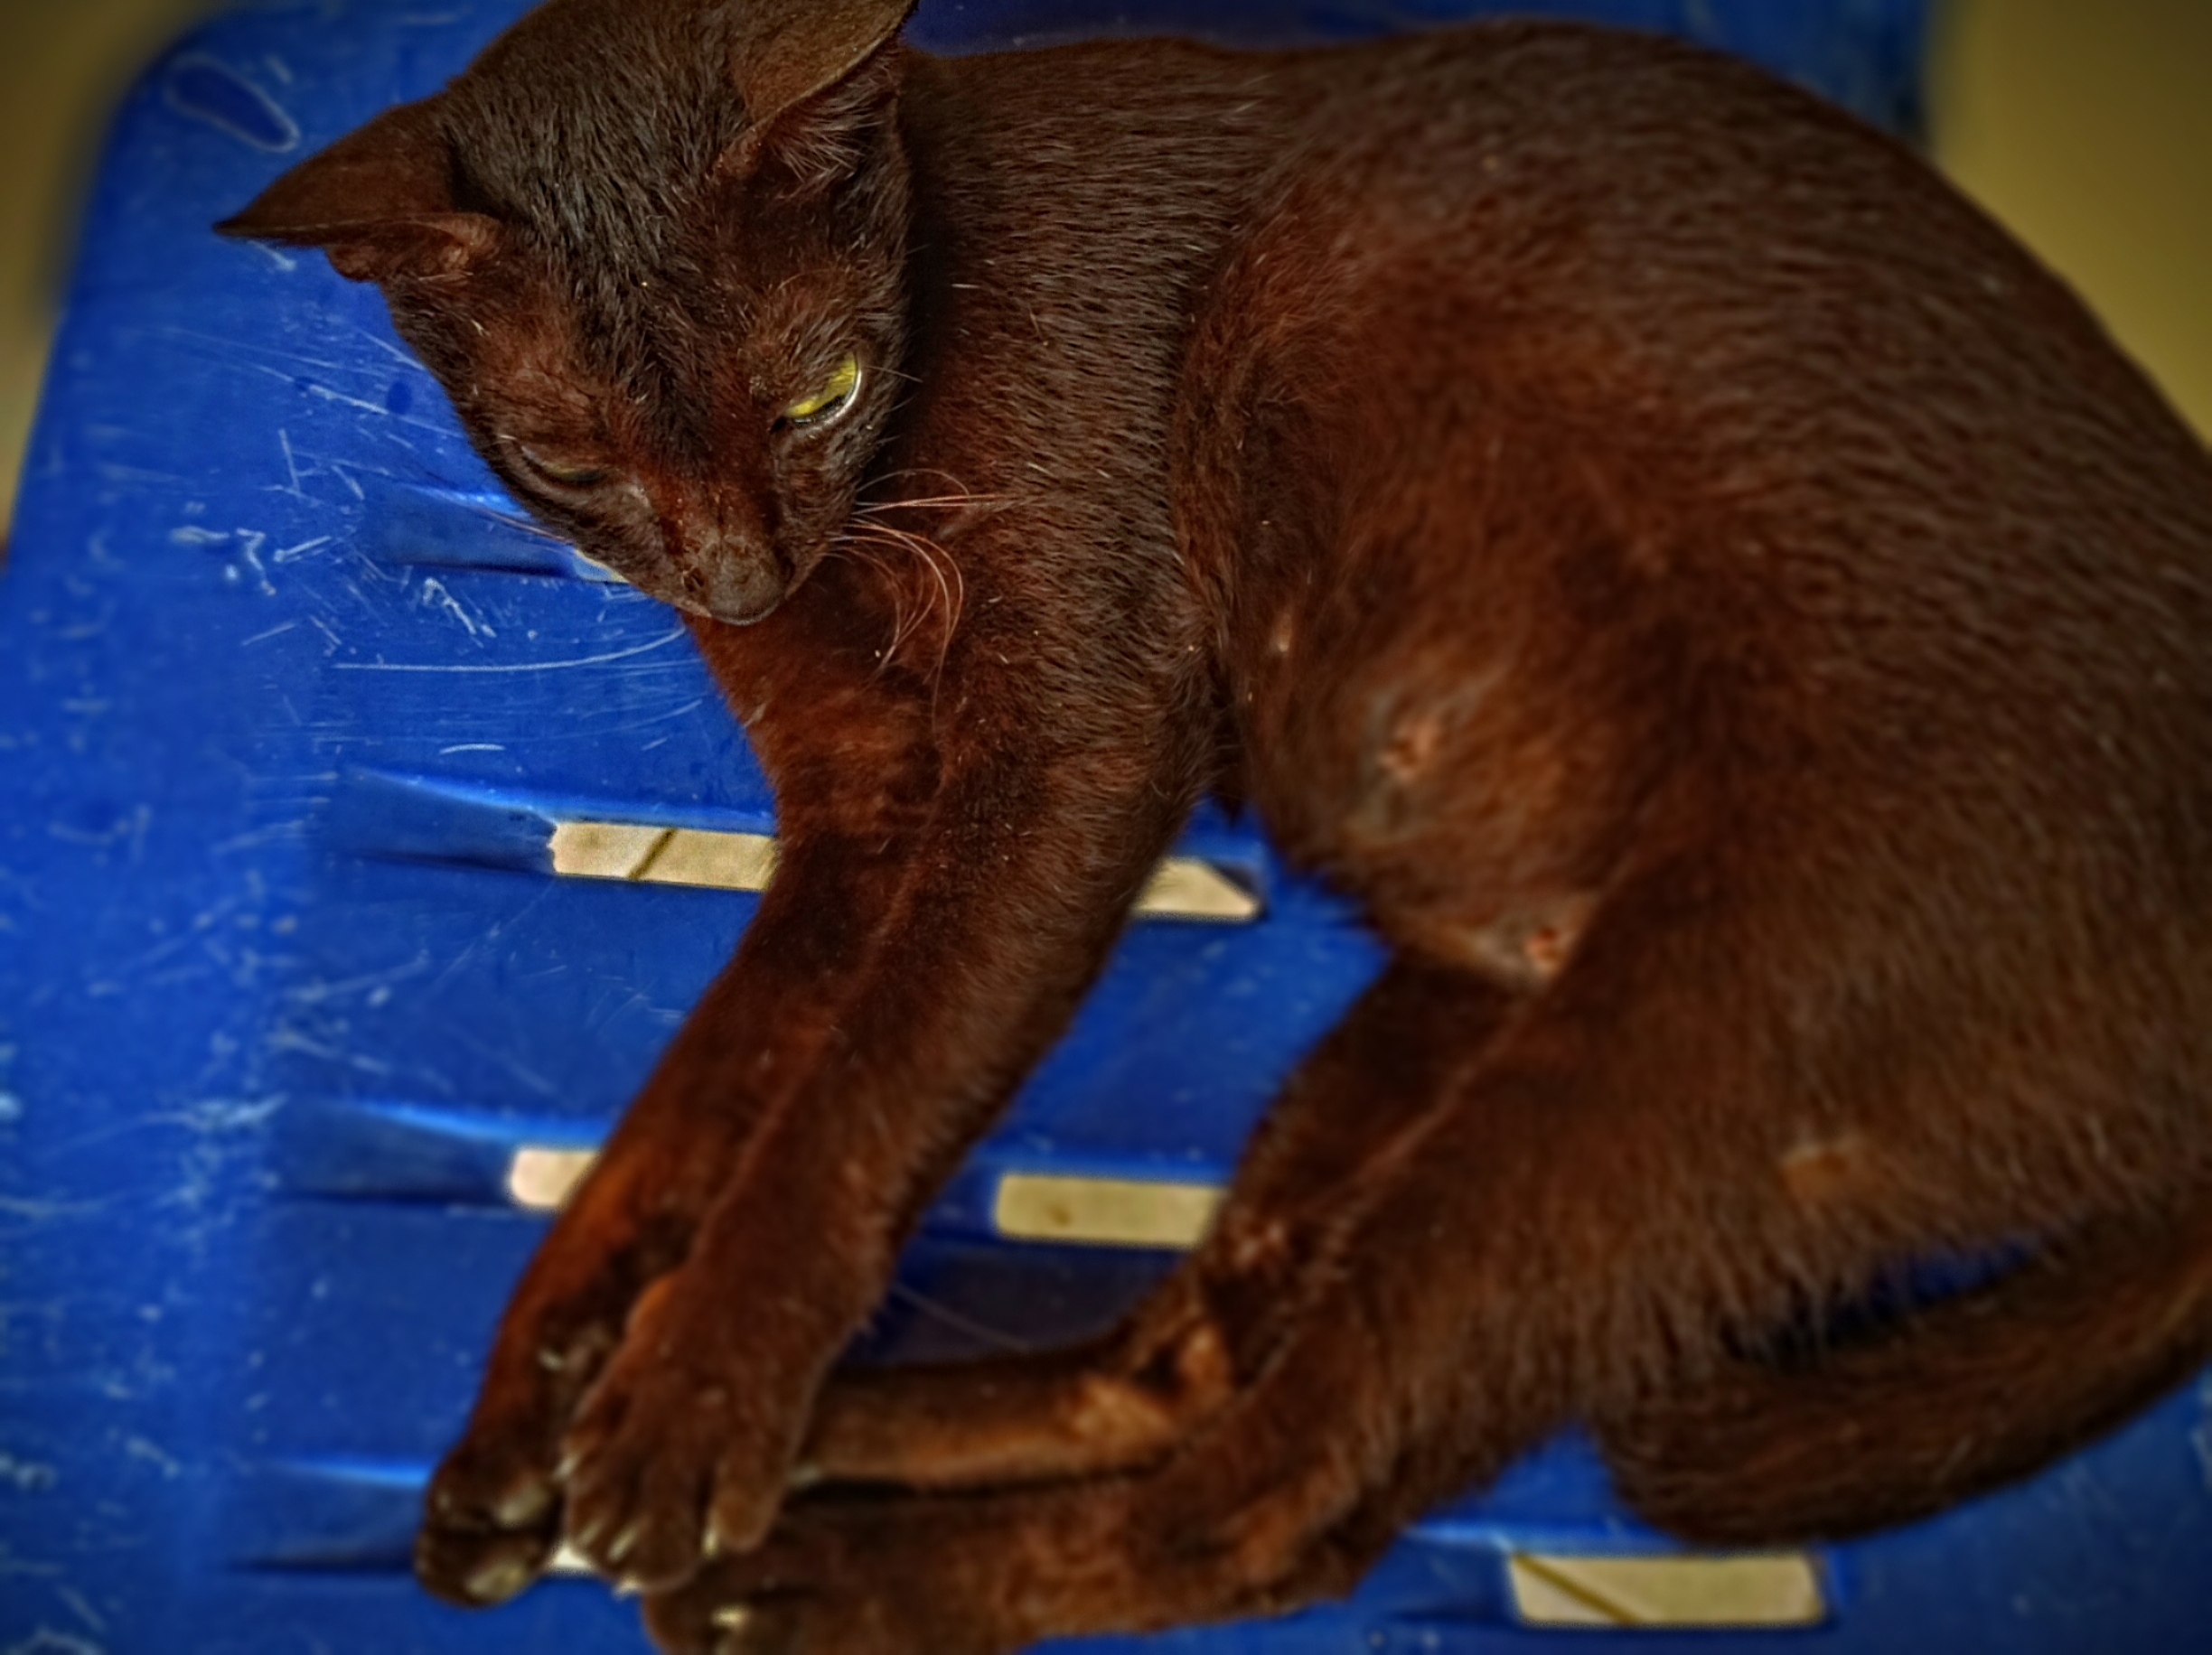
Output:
x,y
491,1516
830,1580
673,1457
491,1521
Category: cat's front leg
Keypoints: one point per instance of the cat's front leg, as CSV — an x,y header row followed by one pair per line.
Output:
x,y
493,1513
997,916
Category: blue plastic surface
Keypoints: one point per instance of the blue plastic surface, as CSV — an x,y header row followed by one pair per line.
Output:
x,y
288,702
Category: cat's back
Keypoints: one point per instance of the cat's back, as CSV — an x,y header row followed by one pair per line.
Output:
x,y
1709,226
1781,322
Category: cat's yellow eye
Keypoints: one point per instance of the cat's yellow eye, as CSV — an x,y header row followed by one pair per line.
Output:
x,y
568,473
832,397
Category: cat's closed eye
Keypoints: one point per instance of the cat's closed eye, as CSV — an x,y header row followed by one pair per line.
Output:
x,y
562,472
831,398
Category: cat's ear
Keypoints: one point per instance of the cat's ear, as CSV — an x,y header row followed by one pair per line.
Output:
x,y
802,68
378,201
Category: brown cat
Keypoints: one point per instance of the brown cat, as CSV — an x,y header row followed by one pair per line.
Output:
x,y
1734,622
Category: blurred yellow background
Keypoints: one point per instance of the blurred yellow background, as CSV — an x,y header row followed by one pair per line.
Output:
x,y
2087,127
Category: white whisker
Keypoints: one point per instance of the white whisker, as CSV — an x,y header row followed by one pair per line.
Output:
x,y
950,587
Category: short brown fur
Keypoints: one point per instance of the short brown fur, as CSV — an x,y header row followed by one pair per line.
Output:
x,y
1731,618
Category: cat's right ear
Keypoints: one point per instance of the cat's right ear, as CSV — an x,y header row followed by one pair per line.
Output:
x,y
789,60
787,51
379,202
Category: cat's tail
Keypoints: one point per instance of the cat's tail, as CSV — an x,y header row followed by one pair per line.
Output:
x,y
1955,1398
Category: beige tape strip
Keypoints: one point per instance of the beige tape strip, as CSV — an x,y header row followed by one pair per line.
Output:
x,y
1103,1211
1763,1589
1180,888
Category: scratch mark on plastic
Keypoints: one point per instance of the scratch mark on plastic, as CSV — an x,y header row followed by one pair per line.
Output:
x,y
312,993
84,630
29,1477
138,1448
250,541
77,1606
2200,1434
214,1114
328,395
514,1065
45,1640
277,833
130,830
289,554
206,88
284,440
460,961
662,641
167,948
273,631
47,1211
433,594
665,716
472,747
228,348
292,1040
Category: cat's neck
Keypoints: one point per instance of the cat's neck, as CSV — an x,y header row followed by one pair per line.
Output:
x,y
1061,246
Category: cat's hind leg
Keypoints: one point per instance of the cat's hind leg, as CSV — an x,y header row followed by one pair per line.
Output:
x,y
1126,1400
1216,1529
760,1604
1950,1400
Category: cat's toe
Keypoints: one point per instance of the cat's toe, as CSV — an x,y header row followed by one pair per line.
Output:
x,y
838,1577
637,1513
673,1457
702,1625
490,1523
644,1459
789,1597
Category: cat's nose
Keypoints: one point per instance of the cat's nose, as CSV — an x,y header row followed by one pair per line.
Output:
x,y
734,581
724,560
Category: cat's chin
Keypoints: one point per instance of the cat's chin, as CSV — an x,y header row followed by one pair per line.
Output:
x,y
734,596
730,615
742,607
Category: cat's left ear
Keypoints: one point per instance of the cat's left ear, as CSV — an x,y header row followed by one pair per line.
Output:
x,y
803,70
378,201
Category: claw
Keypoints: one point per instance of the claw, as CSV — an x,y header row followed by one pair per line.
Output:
x,y
521,1506
498,1579
625,1543
755,1630
585,1539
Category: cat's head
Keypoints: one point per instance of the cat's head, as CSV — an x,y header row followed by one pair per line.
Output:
x,y
654,251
